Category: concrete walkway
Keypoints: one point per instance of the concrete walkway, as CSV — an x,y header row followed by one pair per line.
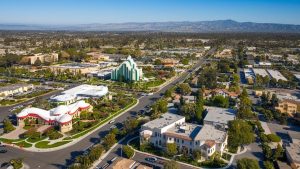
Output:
x,y
189,165
14,134
73,141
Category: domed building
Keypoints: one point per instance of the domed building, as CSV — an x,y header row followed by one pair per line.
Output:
x,y
60,116
127,71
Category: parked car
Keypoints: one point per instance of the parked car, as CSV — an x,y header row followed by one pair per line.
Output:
x,y
112,127
151,159
3,151
113,159
112,121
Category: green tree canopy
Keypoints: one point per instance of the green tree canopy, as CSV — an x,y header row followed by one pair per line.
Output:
x,y
247,163
240,133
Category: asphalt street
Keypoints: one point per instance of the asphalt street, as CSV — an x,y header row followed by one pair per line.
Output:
x,y
61,158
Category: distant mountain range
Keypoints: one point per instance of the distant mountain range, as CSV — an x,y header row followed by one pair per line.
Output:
x,y
201,27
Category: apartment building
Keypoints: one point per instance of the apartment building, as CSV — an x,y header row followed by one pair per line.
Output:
x,y
287,106
172,128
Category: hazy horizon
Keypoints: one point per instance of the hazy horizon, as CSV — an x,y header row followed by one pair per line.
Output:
x,y
70,12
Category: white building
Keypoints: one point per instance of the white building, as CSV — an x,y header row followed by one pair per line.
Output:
x,y
60,116
79,93
171,128
14,89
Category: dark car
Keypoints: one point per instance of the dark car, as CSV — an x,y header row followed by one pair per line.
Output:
x,y
3,151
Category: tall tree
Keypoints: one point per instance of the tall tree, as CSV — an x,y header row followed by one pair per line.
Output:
x,y
240,133
244,110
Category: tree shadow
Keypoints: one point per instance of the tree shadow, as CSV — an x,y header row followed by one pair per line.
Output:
x,y
60,166
95,140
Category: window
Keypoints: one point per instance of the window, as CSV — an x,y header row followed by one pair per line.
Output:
x,y
182,141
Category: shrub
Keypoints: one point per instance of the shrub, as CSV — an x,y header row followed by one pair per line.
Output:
x,y
273,138
128,151
16,163
247,163
53,134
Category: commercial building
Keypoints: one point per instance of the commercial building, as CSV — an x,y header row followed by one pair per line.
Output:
x,y
127,71
75,68
79,93
50,58
104,74
60,116
172,128
251,74
275,74
14,89
261,72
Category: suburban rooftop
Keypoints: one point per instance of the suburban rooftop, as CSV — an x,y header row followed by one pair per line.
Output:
x,y
220,115
164,120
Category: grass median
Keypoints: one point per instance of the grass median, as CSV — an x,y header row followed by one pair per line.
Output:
x,y
23,144
45,144
101,122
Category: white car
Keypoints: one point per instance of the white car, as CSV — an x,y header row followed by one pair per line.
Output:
x,y
150,94
112,121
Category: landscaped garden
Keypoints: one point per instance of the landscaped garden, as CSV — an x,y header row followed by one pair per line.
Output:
x,y
171,152
104,110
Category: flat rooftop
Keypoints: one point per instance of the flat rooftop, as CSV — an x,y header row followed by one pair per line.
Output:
x,y
276,75
219,115
209,132
164,120
186,131
261,72
76,65
294,151
13,87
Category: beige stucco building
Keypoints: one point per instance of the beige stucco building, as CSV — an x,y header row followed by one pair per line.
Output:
x,y
287,106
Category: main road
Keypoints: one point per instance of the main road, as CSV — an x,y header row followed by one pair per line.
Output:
x,y
62,158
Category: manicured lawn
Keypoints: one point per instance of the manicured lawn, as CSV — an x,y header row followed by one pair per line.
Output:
x,y
9,141
45,144
35,140
10,102
23,144
100,123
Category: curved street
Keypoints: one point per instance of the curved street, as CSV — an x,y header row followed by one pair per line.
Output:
x,y
62,158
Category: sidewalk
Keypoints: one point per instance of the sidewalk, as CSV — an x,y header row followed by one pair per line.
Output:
x,y
182,163
73,141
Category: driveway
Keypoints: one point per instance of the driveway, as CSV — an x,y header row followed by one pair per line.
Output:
x,y
254,151
14,134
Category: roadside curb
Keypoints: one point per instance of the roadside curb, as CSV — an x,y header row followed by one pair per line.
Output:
x,y
73,142
182,163
106,154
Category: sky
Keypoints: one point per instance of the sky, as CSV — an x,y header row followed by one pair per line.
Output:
x,y
117,11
